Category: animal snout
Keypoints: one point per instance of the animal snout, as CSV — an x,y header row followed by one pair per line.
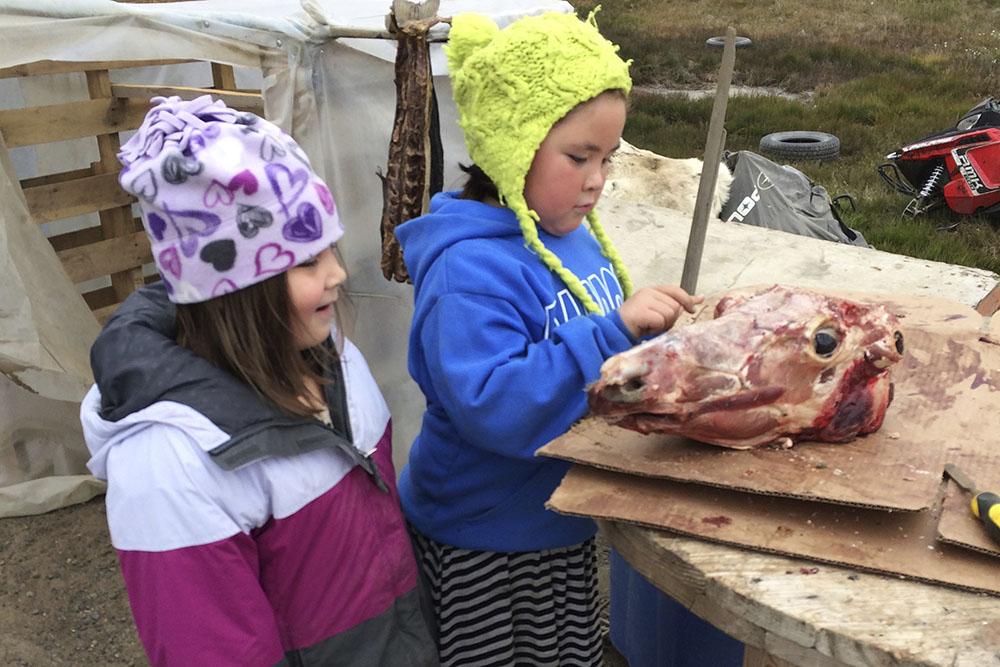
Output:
x,y
622,383
624,390
631,391
885,353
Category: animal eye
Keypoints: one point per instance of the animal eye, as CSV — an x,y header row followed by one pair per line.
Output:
x,y
825,341
899,342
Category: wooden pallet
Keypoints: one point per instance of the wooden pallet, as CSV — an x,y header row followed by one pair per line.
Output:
x,y
114,249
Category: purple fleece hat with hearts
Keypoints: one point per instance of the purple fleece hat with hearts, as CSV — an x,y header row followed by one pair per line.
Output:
x,y
227,198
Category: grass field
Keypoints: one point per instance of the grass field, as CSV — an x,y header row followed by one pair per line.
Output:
x,y
877,74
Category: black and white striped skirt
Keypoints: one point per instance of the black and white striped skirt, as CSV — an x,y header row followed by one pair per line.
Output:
x,y
532,608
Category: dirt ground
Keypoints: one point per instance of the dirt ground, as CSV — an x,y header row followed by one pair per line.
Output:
x,y
63,600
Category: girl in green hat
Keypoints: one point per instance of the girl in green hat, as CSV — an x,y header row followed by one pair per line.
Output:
x,y
517,305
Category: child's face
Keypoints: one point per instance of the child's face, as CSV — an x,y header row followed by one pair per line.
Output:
x,y
313,288
568,173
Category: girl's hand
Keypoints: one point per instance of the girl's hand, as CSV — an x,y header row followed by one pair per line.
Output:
x,y
653,310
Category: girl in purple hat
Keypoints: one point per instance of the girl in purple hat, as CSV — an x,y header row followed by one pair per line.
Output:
x,y
251,493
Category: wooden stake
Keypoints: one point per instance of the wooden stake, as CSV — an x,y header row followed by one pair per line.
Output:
x,y
116,223
710,166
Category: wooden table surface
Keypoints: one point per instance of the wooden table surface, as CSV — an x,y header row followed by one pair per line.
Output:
x,y
796,612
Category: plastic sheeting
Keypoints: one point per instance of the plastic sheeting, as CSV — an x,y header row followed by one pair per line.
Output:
x,y
45,333
335,95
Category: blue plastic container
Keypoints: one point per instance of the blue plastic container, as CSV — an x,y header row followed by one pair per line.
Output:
x,y
651,629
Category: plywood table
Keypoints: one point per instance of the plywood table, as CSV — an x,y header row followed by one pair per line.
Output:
x,y
834,615
796,612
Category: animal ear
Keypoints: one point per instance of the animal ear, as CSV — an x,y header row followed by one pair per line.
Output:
x,y
469,33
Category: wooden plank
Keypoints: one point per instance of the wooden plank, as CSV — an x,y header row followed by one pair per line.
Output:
x,y
855,618
223,76
990,303
755,657
103,302
81,237
61,66
103,297
107,257
115,222
99,87
783,652
99,298
71,120
85,236
76,197
61,177
244,101
102,314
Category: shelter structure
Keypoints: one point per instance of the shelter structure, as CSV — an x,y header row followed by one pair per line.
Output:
x,y
75,79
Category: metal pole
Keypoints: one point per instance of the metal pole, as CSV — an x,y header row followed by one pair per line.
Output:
x,y
710,166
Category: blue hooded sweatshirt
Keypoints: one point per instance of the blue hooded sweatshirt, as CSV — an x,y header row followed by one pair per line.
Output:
x,y
502,352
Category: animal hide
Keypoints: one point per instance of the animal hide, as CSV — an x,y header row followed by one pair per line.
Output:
x,y
639,175
415,167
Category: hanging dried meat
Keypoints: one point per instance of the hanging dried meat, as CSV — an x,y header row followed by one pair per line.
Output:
x,y
415,168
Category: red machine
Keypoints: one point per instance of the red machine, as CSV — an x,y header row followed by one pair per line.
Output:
x,y
959,167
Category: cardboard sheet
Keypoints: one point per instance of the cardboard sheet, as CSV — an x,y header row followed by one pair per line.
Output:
x,y
946,402
899,543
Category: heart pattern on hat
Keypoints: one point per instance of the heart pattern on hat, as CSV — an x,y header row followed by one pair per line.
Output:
x,y
297,153
191,224
250,220
224,286
171,261
177,168
227,198
217,193
157,226
221,254
270,149
286,184
247,119
245,180
144,186
325,197
306,226
272,258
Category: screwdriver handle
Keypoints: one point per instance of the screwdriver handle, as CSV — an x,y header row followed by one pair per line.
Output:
x,y
986,506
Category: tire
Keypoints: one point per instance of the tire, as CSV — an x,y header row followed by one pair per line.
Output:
x,y
800,145
720,42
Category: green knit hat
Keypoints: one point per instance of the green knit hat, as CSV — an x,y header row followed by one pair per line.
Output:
x,y
511,86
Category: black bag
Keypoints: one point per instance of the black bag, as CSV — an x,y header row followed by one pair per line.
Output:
x,y
766,194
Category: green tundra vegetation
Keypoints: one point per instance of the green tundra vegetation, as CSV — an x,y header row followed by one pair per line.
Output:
x,y
876,74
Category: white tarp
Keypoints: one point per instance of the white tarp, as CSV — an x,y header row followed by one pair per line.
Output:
x,y
43,365
335,95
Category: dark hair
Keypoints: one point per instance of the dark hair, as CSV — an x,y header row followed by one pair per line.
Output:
x,y
249,334
480,187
